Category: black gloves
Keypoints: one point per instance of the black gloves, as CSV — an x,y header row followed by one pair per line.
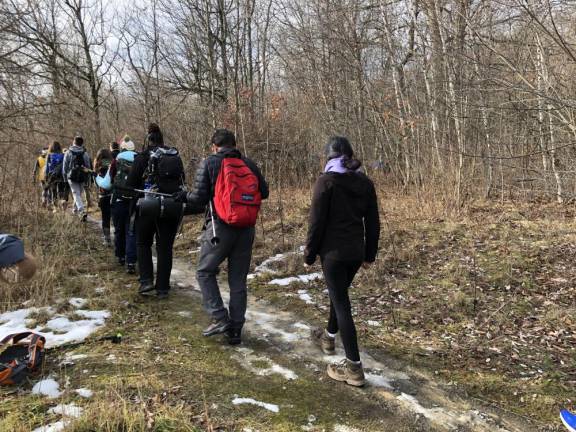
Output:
x,y
180,196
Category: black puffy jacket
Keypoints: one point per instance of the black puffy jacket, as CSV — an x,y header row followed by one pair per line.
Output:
x,y
207,174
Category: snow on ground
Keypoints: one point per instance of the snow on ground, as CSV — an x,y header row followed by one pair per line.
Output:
x,y
268,325
374,323
307,278
84,392
47,387
78,302
301,326
59,426
67,331
247,359
185,314
305,297
264,267
270,407
66,410
344,428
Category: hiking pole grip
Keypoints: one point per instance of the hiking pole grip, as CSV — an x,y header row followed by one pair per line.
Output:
x,y
214,240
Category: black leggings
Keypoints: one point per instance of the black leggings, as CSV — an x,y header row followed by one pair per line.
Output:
x,y
339,276
105,206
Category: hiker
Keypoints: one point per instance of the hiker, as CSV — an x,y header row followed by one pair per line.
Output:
x,y
157,169
228,230
101,166
114,149
568,420
15,264
55,183
76,170
344,229
39,175
122,203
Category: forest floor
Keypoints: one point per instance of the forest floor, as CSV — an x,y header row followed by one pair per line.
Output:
x,y
467,324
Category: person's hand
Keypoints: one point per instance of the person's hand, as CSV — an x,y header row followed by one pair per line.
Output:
x,y
180,196
367,265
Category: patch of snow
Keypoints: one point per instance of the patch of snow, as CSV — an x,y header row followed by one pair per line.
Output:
x,y
301,326
66,410
111,358
307,278
47,387
84,392
266,322
344,428
78,302
374,323
185,314
100,290
247,358
58,426
69,331
304,296
270,407
378,381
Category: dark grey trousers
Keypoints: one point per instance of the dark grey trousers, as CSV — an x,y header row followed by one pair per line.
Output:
x,y
236,246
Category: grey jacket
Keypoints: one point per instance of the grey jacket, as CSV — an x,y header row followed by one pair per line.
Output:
x,y
69,159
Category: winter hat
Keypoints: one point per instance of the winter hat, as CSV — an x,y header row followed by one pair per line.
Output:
x,y
127,144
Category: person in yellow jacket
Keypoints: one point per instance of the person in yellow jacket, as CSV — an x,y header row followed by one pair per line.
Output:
x,y
39,175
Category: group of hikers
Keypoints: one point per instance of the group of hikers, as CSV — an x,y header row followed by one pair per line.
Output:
x,y
146,195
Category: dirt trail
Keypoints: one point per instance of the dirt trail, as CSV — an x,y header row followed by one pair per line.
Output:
x,y
278,343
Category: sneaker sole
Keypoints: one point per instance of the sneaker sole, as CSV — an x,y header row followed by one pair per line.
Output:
x,y
570,428
217,331
353,383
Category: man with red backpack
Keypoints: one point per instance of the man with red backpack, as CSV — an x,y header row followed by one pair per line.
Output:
x,y
232,188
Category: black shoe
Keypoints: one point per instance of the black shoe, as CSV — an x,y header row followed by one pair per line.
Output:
x,y
146,287
162,295
234,336
217,327
121,262
131,269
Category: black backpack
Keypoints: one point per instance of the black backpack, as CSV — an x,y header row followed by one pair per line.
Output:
x,y
120,183
77,173
165,170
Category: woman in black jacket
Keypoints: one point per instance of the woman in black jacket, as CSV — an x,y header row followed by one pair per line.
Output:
x,y
344,231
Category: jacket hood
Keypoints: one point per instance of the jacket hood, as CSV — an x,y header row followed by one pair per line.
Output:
x,y
76,149
229,152
126,155
352,182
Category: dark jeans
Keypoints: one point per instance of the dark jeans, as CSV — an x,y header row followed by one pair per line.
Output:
x,y
164,230
339,276
124,236
236,246
105,208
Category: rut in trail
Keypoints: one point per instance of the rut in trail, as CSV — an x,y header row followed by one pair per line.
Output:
x,y
278,343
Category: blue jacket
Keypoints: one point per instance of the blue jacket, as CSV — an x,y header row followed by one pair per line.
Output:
x,y
11,250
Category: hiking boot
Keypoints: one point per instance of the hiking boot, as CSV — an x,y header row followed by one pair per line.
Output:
x,y
323,341
162,295
348,372
217,327
234,336
131,268
84,217
145,288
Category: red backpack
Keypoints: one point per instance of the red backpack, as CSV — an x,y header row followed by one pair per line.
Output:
x,y
237,195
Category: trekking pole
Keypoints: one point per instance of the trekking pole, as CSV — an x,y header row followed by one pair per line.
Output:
x,y
153,193
215,240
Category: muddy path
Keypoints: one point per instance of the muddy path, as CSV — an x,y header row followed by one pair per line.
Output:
x,y
277,344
